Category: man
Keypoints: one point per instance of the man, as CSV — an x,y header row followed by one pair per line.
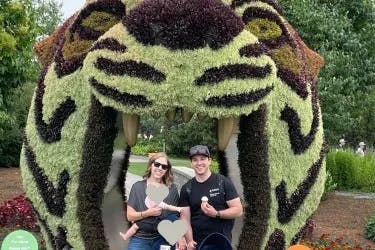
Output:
x,y
341,145
215,216
361,149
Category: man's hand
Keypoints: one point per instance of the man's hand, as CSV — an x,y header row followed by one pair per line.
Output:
x,y
191,245
181,244
208,210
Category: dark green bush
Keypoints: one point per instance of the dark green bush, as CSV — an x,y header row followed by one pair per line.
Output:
x,y
12,124
181,137
370,228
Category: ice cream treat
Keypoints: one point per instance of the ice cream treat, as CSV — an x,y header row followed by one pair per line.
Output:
x,y
204,200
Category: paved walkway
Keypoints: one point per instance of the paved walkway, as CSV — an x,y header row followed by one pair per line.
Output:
x,y
356,195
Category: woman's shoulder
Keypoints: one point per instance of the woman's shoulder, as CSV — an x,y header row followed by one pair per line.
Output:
x,y
139,184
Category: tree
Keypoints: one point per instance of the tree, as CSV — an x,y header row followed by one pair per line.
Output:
x,y
17,34
22,22
343,32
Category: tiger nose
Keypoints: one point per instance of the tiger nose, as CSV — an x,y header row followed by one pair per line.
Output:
x,y
213,24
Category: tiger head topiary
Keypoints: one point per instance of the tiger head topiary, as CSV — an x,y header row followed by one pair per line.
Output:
x,y
240,63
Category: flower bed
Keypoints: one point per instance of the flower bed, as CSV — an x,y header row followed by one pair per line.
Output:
x,y
328,242
18,213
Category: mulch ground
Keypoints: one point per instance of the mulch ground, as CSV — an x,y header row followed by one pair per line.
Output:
x,y
337,215
344,216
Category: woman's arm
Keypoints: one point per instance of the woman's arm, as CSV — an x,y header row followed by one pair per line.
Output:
x,y
133,215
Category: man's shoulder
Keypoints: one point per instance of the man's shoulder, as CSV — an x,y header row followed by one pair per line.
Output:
x,y
187,184
221,177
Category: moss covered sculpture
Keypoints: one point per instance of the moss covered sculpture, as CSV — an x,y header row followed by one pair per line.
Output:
x,y
238,62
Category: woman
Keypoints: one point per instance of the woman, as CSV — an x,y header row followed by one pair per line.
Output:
x,y
158,174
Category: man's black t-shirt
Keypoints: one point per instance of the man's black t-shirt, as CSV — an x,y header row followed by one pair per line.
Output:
x,y
202,224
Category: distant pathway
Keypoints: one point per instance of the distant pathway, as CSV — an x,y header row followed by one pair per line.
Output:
x,y
356,195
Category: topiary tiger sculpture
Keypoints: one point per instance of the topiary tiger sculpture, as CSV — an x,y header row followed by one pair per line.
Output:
x,y
238,62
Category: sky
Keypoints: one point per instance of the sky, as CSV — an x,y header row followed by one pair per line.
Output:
x,y
69,7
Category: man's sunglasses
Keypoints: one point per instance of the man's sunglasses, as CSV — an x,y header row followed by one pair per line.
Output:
x,y
163,166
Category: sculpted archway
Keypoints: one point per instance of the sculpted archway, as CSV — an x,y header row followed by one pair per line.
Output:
x,y
239,62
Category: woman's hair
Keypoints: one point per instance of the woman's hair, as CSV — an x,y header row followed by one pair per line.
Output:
x,y
167,178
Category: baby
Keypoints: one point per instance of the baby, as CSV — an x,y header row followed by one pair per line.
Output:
x,y
149,203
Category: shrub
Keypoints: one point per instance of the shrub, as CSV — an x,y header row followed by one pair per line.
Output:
x,y
17,213
329,185
12,124
143,147
370,228
352,172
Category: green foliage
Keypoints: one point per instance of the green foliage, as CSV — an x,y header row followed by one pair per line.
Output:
x,y
17,34
181,137
143,147
214,167
178,137
370,228
21,23
48,15
352,172
329,185
12,124
343,32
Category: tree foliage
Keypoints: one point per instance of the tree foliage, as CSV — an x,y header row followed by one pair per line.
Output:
x,y
343,32
22,22
17,34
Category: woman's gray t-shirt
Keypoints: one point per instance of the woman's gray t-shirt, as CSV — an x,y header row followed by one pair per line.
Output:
x,y
136,200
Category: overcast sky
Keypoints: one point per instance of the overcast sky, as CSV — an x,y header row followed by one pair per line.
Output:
x,y
69,7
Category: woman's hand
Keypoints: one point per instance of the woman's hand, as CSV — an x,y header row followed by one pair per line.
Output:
x,y
152,211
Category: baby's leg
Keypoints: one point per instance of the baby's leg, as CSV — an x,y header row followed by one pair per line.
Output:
x,y
131,231
165,206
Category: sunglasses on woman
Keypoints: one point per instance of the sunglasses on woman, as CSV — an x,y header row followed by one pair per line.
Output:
x,y
163,166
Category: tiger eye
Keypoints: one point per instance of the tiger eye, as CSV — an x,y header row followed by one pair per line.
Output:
x,y
100,21
264,28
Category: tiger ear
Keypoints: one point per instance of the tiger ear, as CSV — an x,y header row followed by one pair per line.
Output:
x,y
45,49
91,22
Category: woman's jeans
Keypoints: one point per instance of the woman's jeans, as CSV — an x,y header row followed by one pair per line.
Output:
x,y
136,243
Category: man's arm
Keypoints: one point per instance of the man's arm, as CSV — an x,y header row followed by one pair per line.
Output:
x,y
234,210
185,216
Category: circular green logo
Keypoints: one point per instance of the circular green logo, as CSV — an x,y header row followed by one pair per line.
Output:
x,y
20,240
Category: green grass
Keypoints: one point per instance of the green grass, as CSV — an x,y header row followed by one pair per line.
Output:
x,y
137,168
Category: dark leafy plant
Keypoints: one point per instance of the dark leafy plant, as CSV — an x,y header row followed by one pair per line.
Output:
x,y
370,228
18,213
